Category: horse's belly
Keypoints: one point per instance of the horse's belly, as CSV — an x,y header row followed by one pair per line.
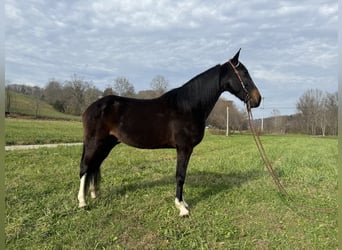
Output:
x,y
146,135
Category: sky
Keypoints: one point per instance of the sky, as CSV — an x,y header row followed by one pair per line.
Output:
x,y
288,47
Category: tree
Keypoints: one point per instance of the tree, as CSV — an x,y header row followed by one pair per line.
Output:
x,y
53,91
53,94
278,122
238,118
159,85
108,91
310,107
91,94
146,94
73,92
218,116
331,112
318,112
9,99
123,87
37,94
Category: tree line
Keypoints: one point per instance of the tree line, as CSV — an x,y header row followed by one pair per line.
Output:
x,y
317,114
75,95
316,110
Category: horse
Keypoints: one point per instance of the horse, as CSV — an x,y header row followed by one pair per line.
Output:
x,y
176,119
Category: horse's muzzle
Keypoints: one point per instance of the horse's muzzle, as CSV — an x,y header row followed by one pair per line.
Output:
x,y
255,98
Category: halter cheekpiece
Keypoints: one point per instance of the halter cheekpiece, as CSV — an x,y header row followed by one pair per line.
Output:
x,y
240,79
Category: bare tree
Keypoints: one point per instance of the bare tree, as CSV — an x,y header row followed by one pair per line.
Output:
x,y
218,116
318,111
74,90
331,112
278,122
37,94
238,120
159,85
9,98
108,91
91,94
146,94
123,87
310,107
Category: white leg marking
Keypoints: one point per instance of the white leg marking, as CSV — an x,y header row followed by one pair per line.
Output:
x,y
81,195
92,194
183,208
92,190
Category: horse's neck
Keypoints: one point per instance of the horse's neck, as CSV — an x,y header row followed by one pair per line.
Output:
x,y
210,103
198,96
204,92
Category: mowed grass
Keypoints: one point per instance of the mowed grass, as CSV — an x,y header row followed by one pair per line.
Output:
x,y
29,131
233,201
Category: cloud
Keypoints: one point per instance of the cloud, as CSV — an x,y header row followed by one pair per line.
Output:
x,y
329,9
283,42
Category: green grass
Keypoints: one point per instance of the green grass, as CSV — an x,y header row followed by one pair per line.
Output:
x,y
233,201
28,131
26,105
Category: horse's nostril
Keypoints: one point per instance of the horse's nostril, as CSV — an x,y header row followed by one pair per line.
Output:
x,y
255,98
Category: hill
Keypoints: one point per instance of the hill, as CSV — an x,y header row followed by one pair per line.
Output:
x,y
20,104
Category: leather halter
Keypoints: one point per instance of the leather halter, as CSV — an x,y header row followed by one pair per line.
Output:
x,y
247,97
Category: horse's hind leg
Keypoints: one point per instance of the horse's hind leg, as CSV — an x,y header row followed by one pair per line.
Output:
x,y
81,192
94,152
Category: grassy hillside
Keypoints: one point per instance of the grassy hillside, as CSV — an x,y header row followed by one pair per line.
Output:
x,y
27,105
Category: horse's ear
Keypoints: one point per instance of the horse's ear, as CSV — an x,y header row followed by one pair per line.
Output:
x,y
235,59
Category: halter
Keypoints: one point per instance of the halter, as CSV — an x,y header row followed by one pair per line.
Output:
x,y
241,82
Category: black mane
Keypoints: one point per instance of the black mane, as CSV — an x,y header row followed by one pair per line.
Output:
x,y
198,94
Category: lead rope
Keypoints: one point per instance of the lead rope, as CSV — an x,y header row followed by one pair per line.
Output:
x,y
271,169
264,156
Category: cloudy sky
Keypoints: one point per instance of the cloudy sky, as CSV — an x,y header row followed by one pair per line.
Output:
x,y
288,46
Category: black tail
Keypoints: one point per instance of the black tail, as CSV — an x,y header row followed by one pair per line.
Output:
x,y
92,159
83,169
92,171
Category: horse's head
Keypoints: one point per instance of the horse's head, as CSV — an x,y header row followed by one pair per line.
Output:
x,y
236,79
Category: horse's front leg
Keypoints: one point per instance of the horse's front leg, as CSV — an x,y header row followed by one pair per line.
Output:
x,y
183,156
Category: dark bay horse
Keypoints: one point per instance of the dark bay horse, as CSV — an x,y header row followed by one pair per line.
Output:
x,y
173,120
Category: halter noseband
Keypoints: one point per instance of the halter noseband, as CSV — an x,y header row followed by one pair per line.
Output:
x,y
241,82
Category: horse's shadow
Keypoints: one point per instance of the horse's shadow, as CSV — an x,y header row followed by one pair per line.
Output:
x,y
212,183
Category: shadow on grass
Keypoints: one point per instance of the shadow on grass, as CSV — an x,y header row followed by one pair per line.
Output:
x,y
212,183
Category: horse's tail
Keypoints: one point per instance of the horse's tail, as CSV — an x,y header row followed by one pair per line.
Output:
x,y
83,169
91,172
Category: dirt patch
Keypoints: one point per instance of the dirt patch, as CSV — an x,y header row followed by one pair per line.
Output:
x,y
26,147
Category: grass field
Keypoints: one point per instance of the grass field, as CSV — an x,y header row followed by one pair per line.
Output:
x,y
28,131
233,201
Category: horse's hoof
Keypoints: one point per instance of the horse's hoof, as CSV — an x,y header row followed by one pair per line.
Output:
x,y
183,208
184,213
82,205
